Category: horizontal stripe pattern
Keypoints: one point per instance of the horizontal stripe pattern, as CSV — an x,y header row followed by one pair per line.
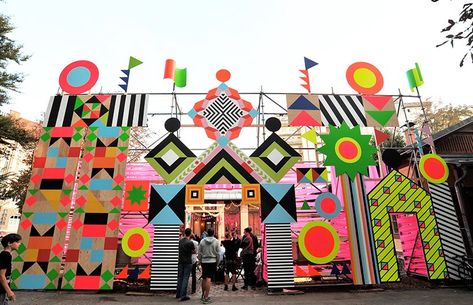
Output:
x,y
449,228
165,257
279,256
337,109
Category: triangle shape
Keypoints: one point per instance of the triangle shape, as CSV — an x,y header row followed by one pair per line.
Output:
x,y
309,63
310,136
166,217
313,271
126,72
277,191
305,206
133,62
53,197
93,205
380,136
304,119
168,191
304,179
223,180
302,103
382,117
379,101
124,87
300,272
278,215
146,274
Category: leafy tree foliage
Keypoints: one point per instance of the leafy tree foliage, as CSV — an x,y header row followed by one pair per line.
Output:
x,y
442,116
461,30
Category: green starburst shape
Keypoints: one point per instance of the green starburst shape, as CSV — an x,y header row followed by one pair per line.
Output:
x,y
136,195
348,150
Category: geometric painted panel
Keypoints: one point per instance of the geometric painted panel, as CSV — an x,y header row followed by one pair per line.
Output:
x,y
167,205
97,110
398,194
279,256
194,194
136,196
337,109
311,175
250,194
380,111
278,203
303,110
275,157
170,157
165,257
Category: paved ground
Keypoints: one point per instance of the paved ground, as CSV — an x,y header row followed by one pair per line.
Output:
x,y
388,297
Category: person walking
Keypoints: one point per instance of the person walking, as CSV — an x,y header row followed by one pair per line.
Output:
x,y
248,257
186,249
194,264
231,249
209,259
10,242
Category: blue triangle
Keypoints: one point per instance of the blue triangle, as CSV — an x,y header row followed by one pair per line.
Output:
x,y
278,215
134,274
124,87
301,103
305,180
97,123
309,63
125,79
168,191
335,270
166,217
277,190
127,72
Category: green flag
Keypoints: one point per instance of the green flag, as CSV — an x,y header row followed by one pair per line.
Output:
x,y
414,77
133,62
180,77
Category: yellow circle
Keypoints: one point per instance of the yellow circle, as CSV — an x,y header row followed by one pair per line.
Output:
x,y
146,241
341,157
364,77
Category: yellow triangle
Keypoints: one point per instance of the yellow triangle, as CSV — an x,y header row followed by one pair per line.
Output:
x,y
309,175
53,197
311,136
93,205
324,175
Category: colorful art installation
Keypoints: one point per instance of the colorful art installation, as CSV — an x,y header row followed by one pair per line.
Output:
x,y
398,194
78,77
433,168
179,75
97,110
135,242
132,62
448,227
380,111
136,196
303,110
280,265
311,175
414,77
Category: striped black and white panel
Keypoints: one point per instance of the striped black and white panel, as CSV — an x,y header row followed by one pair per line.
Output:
x,y
125,110
449,228
336,109
165,257
128,110
279,256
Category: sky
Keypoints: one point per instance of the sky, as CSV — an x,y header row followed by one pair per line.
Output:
x,y
262,43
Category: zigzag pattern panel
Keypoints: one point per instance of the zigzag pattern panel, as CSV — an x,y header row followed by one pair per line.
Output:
x,y
97,110
223,113
342,108
279,256
165,257
447,222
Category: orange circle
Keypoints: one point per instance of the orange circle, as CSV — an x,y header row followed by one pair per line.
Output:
x,y
372,86
136,242
328,205
348,150
223,75
434,168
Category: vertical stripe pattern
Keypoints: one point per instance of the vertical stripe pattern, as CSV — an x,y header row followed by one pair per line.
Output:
x,y
279,256
165,257
447,222
342,108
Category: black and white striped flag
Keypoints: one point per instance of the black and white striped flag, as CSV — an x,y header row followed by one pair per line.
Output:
x,y
337,109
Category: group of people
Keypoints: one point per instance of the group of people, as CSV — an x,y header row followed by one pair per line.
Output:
x,y
209,253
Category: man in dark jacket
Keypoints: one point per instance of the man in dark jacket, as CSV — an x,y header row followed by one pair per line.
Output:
x,y
248,257
186,249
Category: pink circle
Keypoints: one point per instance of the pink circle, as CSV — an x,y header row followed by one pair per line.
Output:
x,y
67,87
348,150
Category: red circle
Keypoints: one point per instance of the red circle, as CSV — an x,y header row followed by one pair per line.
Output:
x,y
136,242
223,75
434,168
348,150
319,241
328,205
94,76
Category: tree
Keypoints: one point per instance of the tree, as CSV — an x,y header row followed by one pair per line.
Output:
x,y
461,30
442,116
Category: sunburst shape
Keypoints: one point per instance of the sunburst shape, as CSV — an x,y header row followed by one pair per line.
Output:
x,y
348,150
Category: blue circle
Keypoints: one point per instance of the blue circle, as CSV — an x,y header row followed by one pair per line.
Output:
x,y
338,205
78,76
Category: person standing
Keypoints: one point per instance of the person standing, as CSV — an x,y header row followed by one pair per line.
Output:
x,y
209,258
10,242
231,249
186,249
194,264
248,257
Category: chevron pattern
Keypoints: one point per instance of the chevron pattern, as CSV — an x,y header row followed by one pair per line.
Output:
x,y
447,222
279,256
165,257
398,194
223,113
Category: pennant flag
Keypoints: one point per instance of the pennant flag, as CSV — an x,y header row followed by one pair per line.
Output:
x,y
123,274
179,75
309,63
380,136
133,62
414,77
310,136
146,274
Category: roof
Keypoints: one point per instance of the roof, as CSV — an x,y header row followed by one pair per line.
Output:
x,y
452,129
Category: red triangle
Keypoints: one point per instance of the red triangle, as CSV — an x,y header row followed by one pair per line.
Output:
x,y
299,175
380,136
313,271
300,271
304,119
123,274
146,274
378,101
102,97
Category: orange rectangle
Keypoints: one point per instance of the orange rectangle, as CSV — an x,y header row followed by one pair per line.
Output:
x,y
104,162
54,173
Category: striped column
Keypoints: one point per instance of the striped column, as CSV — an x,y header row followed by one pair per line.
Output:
x,y
279,256
165,257
363,259
449,229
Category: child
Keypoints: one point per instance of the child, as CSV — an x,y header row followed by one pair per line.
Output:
x,y
10,242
